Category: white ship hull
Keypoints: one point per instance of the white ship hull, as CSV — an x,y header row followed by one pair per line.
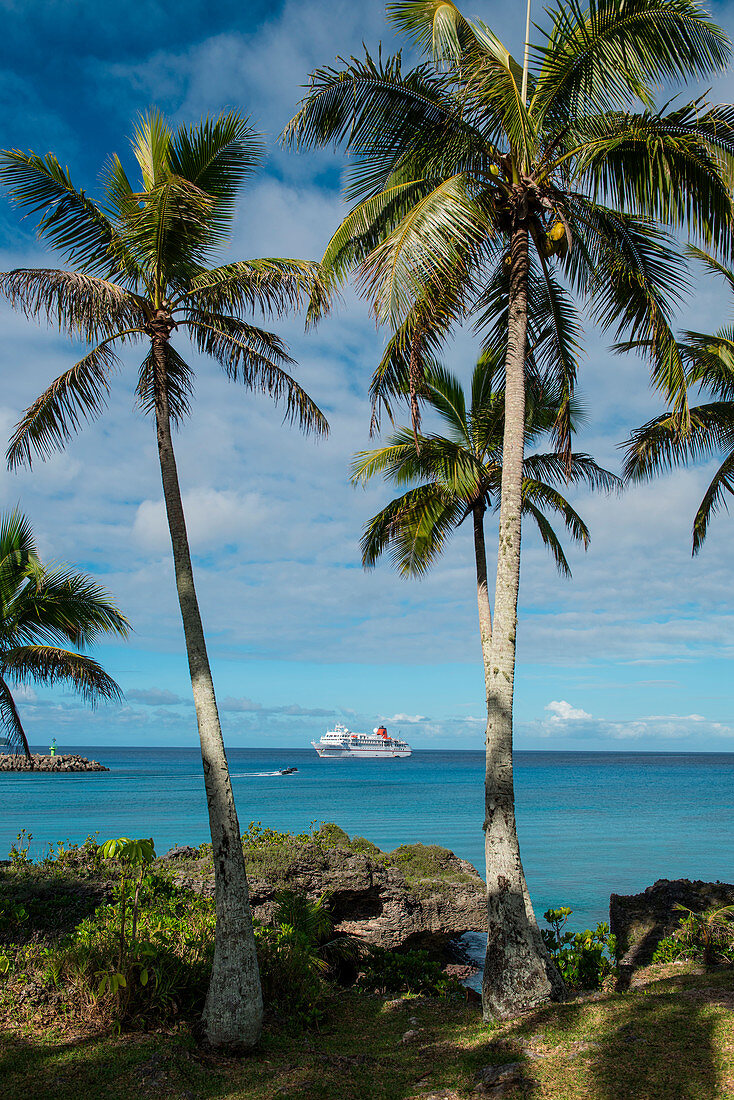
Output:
x,y
326,751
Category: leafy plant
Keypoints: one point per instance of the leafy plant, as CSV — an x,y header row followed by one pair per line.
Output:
x,y
297,952
132,855
585,958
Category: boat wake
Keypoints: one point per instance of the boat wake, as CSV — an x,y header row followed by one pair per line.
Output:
x,y
253,775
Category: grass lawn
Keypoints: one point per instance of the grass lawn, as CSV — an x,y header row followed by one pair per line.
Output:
x,y
671,1037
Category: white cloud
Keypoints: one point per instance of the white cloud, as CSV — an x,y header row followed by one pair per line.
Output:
x,y
577,726
561,711
410,719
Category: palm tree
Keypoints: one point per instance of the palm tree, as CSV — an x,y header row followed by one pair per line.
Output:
x,y
143,270
42,608
482,186
459,474
668,440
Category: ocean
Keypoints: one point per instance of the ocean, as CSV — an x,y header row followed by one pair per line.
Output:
x,y
590,823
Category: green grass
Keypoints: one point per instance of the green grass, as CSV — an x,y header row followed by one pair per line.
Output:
x,y
669,1038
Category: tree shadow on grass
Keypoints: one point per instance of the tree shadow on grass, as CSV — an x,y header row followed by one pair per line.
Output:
x,y
659,1042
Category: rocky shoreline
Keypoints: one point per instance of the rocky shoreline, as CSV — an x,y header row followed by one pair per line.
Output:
x,y
64,762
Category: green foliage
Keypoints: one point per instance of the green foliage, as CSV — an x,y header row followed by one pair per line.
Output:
x,y
298,952
458,472
81,859
404,972
18,854
42,611
708,935
130,854
163,971
584,959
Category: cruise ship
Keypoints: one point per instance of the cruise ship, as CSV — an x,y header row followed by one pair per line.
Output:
x,y
341,742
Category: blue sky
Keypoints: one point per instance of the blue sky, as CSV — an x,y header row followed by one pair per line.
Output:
x,y
633,653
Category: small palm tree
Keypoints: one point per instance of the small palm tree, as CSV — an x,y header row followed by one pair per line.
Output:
x,y
142,272
41,608
708,432
482,186
459,474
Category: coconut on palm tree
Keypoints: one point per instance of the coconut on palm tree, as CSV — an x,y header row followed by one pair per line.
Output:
x,y
484,187
142,273
43,609
707,432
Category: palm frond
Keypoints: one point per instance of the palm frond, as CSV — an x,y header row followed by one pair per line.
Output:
x,y
412,530
270,286
581,469
80,305
599,55
179,385
664,443
713,499
251,356
665,167
79,394
62,604
547,497
548,535
424,249
70,221
48,665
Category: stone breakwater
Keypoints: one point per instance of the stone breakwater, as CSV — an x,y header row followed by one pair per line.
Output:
x,y
65,762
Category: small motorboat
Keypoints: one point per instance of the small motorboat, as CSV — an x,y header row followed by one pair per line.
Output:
x,y
287,771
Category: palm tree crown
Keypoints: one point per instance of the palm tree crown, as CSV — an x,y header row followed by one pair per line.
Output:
x,y
447,160
142,270
459,473
41,608
667,440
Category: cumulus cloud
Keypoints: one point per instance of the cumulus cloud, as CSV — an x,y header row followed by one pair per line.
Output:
x,y
560,711
410,719
575,725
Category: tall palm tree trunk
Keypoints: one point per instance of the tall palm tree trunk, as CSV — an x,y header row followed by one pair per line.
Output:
x,y
518,972
233,1011
485,634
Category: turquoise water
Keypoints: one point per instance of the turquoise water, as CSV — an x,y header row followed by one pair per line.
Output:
x,y
590,823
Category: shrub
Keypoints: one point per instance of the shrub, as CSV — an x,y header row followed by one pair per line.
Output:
x,y
404,972
585,958
708,936
298,954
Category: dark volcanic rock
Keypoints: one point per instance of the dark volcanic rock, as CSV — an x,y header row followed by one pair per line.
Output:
x,y
374,895
64,762
640,921
182,851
